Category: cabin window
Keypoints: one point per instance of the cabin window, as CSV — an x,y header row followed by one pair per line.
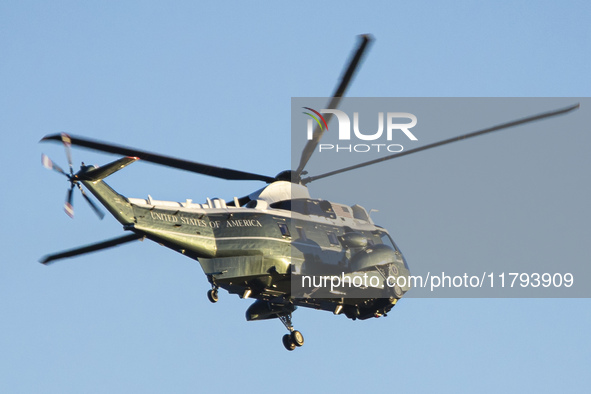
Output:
x,y
302,234
306,207
284,230
321,208
332,238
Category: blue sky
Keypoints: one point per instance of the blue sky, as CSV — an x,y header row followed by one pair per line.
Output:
x,y
213,83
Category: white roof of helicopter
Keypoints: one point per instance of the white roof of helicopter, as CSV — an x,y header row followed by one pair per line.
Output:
x,y
280,191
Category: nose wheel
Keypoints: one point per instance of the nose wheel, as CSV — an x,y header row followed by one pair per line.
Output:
x,y
294,338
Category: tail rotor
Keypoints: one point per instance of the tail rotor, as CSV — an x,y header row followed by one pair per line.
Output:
x,y
72,178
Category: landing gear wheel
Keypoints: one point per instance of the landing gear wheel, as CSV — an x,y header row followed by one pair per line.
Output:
x,y
212,295
288,342
297,338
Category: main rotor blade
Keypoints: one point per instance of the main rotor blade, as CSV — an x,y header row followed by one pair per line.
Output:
x,y
90,248
96,209
336,98
218,172
448,141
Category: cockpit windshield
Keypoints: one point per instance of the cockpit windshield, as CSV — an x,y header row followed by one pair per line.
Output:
x,y
386,240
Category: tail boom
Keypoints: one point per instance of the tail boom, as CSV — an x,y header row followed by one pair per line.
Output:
x,y
92,177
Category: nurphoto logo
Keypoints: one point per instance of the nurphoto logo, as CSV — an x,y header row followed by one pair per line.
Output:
x,y
391,123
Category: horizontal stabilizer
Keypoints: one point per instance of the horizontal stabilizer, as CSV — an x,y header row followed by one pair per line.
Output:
x,y
98,173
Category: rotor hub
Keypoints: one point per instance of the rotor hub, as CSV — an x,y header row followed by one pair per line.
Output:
x,y
289,176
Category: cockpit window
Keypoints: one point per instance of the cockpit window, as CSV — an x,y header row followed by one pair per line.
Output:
x,y
386,240
360,213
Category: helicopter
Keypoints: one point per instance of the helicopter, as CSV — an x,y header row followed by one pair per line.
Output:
x,y
264,246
